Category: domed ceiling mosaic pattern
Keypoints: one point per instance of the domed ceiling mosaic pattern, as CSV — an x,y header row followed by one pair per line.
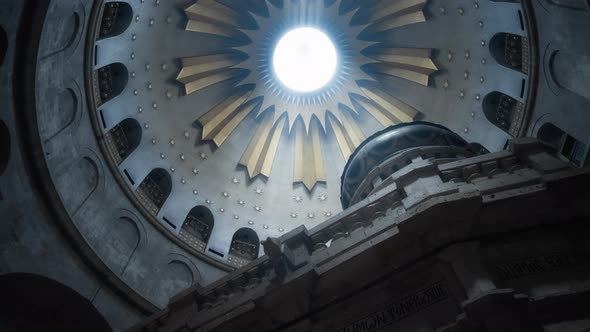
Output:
x,y
232,138
305,116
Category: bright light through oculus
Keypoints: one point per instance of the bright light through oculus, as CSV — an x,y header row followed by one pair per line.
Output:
x,y
305,59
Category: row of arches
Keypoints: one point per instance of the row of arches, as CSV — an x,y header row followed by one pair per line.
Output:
x,y
198,225
156,187
504,111
111,79
196,231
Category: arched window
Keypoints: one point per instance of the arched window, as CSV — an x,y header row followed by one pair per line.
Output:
x,y
244,247
503,111
123,139
110,81
566,145
510,51
116,18
154,190
197,228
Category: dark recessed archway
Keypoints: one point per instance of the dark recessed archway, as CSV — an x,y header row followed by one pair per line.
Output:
x,y
155,189
568,146
33,303
551,134
244,247
510,51
504,111
112,80
116,18
197,227
124,138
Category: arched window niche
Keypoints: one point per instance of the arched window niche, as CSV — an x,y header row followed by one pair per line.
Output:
x,y
109,82
511,51
244,247
197,228
504,112
123,139
116,18
154,190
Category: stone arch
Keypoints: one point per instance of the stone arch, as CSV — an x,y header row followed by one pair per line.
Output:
x,y
155,189
116,18
124,138
197,227
503,111
83,175
68,21
510,51
244,247
121,243
110,81
571,72
63,113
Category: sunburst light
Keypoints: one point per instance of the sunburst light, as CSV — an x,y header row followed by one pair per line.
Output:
x,y
303,99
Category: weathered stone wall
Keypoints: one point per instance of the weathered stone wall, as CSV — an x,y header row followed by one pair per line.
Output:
x,y
494,243
62,214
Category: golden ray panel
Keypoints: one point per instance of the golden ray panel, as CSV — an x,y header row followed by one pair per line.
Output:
x,y
385,108
387,15
200,72
396,8
306,115
211,28
224,118
348,133
211,10
309,163
412,64
262,149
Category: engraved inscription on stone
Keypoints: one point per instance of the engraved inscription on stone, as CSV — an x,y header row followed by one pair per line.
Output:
x,y
542,264
400,309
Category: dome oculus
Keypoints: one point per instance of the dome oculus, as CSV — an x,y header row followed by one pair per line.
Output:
x,y
305,59
304,79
